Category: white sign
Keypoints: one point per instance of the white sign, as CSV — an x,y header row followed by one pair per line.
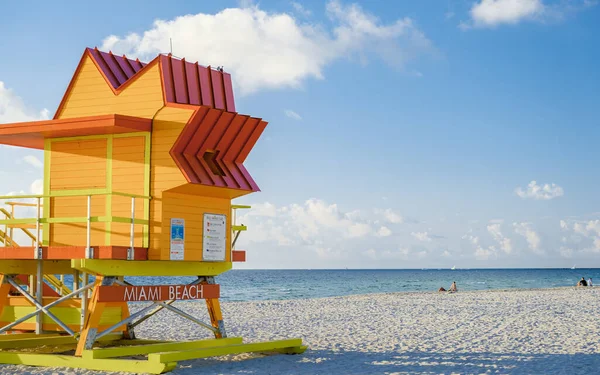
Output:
x,y
177,239
214,243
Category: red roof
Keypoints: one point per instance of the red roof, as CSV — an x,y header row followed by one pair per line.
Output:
x,y
183,82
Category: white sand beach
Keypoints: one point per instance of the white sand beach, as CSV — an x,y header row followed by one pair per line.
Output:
x,y
547,331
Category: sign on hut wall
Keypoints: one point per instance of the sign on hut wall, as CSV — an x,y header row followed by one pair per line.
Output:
x,y
177,239
214,243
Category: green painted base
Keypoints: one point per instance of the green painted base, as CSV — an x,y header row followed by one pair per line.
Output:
x,y
161,356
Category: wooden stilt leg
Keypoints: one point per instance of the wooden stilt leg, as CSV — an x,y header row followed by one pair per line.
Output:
x,y
92,320
128,333
216,317
4,292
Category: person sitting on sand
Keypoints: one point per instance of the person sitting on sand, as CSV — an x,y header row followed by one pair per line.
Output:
x,y
582,282
590,282
453,287
441,289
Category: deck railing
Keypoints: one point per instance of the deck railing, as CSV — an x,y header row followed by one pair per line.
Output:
x,y
10,222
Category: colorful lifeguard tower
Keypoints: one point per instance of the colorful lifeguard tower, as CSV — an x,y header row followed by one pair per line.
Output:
x,y
141,163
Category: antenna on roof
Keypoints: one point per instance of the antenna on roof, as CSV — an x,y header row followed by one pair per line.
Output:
x,y
171,43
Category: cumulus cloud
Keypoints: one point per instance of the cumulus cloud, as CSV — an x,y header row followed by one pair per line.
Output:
x,y
33,161
391,216
484,253
384,232
299,9
589,234
13,109
540,192
293,115
37,187
533,239
488,13
505,243
421,236
493,13
267,50
314,223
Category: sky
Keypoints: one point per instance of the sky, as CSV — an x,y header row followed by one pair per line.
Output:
x,y
407,134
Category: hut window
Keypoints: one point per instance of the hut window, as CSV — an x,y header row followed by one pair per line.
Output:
x,y
209,158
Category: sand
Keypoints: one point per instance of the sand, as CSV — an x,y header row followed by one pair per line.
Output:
x,y
546,331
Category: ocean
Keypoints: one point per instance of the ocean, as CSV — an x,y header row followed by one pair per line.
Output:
x,y
256,285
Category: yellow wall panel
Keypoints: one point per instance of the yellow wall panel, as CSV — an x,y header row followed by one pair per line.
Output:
x,y
164,173
91,94
67,160
77,165
128,154
192,208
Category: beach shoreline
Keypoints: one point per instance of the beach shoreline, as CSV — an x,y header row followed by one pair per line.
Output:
x,y
529,331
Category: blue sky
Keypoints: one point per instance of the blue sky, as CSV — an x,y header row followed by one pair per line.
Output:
x,y
399,132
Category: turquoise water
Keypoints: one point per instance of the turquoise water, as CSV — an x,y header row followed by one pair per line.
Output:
x,y
252,285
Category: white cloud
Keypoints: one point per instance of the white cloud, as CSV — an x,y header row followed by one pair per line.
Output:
x,y
483,253
13,109
298,8
533,239
265,50
314,223
593,226
496,233
489,13
293,115
539,192
391,216
587,228
384,232
493,13
471,238
564,225
37,187
421,236
591,231
33,161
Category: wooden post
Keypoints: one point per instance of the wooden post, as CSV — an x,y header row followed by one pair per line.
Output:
x,y
92,320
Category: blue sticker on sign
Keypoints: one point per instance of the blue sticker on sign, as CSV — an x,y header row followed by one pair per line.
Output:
x,y
177,239
177,232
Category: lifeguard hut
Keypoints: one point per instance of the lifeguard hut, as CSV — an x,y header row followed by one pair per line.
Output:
x,y
141,163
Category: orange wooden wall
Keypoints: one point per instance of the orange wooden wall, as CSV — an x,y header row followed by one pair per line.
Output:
x,y
127,177
76,165
164,173
192,210
90,95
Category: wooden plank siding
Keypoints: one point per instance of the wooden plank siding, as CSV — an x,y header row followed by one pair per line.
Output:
x,y
113,163
127,177
91,95
164,173
67,159
78,164
192,209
